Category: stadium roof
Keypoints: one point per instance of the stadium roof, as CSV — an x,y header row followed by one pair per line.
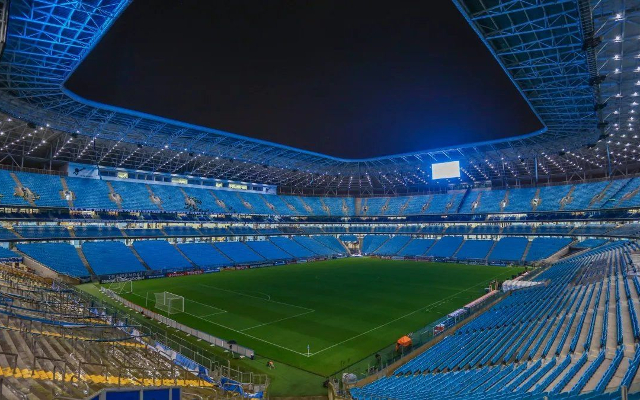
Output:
x,y
575,62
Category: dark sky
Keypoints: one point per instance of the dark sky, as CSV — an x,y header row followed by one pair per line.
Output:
x,y
346,78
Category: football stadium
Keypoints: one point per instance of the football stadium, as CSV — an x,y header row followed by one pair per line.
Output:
x,y
145,257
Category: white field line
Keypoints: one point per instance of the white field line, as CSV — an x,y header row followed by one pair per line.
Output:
x,y
215,313
220,310
237,331
278,320
444,300
426,307
255,297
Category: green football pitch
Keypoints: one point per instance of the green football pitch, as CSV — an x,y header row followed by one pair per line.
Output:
x,y
343,310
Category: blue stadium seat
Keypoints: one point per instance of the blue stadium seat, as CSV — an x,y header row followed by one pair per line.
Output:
x,y
474,250
6,234
550,197
297,203
396,205
239,252
96,231
486,229
90,194
519,200
204,255
258,205
458,229
542,248
590,243
433,228
332,243
416,204
444,203
583,194
178,230
135,196
172,199
416,247
349,238
160,255
144,232
374,205
42,231
60,257
7,254
392,246
280,206
517,229
47,188
204,199
269,250
445,247
292,247
218,231
7,190
111,258
592,229
554,229
313,245
509,249
608,197
335,205
232,202
370,243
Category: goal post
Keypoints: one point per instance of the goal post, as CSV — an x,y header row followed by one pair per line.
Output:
x,y
122,287
169,302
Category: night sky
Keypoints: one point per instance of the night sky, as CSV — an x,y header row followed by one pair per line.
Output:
x,y
351,79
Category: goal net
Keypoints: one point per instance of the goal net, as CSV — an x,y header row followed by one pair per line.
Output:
x,y
169,302
122,287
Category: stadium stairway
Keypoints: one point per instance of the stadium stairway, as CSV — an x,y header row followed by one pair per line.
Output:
x,y
534,206
152,196
113,196
600,195
505,201
526,251
616,196
65,187
86,263
568,198
465,195
183,255
144,264
493,246
20,185
307,207
324,206
373,251
455,253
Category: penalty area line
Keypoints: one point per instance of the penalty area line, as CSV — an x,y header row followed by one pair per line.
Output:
x,y
240,332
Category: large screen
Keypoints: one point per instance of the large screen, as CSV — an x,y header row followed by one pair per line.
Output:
x,y
444,170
